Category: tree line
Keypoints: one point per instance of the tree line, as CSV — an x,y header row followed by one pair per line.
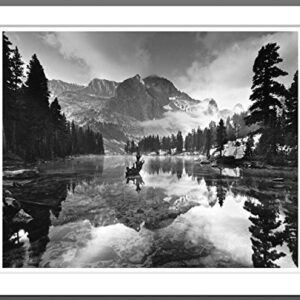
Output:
x,y
34,128
154,143
202,141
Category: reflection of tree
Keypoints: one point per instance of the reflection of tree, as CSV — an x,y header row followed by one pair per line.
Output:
x,y
179,168
291,227
38,230
137,181
37,199
265,234
221,192
189,168
154,166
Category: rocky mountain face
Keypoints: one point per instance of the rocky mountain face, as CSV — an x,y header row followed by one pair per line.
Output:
x,y
101,88
132,108
57,87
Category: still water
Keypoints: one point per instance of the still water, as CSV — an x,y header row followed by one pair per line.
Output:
x,y
178,213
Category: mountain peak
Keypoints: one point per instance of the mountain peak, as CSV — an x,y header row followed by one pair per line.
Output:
x,y
138,78
102,88
238,108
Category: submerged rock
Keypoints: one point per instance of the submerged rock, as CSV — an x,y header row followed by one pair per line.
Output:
x,y
10,207
21,174
22,217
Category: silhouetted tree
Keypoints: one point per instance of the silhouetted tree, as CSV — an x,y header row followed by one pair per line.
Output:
x,y
208,142
266,91
221,136
291,113
179,145
249,146
33,129
267,94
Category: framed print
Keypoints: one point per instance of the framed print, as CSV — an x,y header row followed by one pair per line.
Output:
x,y
150,149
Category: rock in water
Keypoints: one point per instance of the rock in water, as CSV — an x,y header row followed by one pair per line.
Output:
x,y
22,217
21,174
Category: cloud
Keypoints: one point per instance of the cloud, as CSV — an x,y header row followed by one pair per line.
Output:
x,y
199,115
228,76
113,56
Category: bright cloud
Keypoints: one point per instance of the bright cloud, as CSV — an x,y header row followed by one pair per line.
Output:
x,y
227,78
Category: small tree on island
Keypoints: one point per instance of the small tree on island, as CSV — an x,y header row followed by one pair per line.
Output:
x,y
221,136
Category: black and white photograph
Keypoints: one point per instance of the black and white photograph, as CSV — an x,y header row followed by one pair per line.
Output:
x,y
150,149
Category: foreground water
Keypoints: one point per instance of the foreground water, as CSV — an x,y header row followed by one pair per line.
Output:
x,y
176,214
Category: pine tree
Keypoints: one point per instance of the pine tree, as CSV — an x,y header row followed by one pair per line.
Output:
x,y
17,69
34,129
266,91
179,146
208,142
221,136
291,114
7,90
248,150
37,83
37,106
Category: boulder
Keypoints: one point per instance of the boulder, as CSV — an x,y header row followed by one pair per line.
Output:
x,y
22,217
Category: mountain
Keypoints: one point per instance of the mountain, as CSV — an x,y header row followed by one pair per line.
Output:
x,y
57,87
101,88
238,108
133,108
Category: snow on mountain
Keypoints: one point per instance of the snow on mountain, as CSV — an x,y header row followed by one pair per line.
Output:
x,y
135,107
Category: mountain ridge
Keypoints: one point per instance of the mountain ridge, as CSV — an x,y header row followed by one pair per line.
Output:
x,y
134,107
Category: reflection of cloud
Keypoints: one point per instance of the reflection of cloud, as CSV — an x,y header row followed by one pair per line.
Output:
x,y
226,227
116,243
184,190
223,230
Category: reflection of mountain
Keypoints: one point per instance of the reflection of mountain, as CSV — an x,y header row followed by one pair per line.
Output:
x,y
265,233
197,172
134,107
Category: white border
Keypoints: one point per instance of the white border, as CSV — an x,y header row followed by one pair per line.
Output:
x,y
148,281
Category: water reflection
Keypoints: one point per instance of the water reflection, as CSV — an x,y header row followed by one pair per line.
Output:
x,y
43,199
137,181
266,233
291,225
176,214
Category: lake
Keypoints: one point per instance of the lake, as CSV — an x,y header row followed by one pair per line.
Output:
x,y
176,214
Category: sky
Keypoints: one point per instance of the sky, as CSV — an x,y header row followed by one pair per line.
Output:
x,y
203,64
